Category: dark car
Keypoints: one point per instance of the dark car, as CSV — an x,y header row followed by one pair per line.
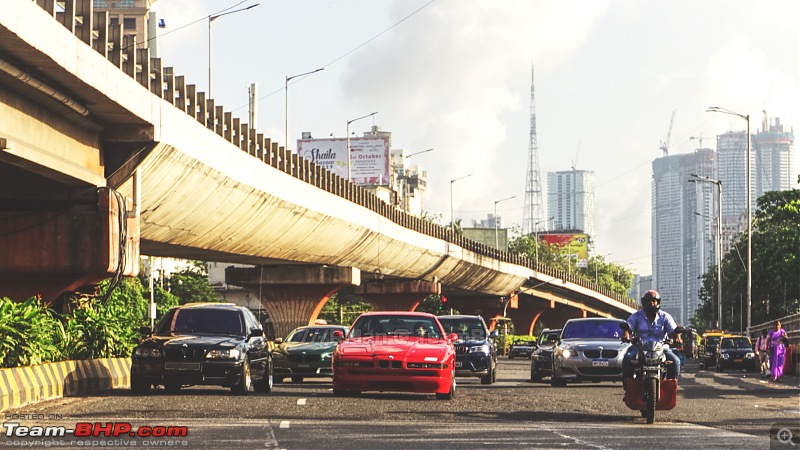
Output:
x,y
203,344
476,352
541,359
306,352
521,349
736,353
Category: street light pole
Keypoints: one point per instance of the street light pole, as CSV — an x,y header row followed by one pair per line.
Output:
x,y
349,162
496,239
405,178
452,220
749,214
719,238
286,112
211,18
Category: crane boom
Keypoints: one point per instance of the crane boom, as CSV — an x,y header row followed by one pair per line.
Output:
x,y
664,146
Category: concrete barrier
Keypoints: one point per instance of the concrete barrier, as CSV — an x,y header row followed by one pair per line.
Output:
x,y
21,386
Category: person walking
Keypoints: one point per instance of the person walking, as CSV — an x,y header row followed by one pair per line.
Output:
x,y
762,351
777,336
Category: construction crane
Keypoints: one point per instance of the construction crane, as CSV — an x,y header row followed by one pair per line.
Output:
x,y
699,138
664,146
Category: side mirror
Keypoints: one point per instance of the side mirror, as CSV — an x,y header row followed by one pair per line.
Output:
x,y
338,335
494,334
452,337
145,331
256,332
278,341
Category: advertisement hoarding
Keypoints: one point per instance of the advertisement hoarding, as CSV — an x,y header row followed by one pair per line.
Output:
x,y
576,244
369,157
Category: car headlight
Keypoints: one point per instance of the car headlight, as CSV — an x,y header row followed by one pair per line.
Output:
x,y
567,352
724,355
479,348
750,355
224,354
326,356
144,352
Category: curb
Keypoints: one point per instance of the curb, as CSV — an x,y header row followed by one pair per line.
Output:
x,y
21,386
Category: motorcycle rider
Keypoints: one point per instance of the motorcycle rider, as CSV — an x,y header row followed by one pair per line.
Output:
x,y
649,324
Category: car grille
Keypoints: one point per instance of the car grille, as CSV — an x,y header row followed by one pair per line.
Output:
x,y
390,364
302,358
461,350
184,354
609,354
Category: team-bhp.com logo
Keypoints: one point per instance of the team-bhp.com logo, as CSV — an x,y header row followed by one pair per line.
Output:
x,y
97,429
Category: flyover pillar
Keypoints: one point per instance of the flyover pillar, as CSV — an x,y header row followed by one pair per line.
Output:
x,y
404,295
49,247
293,295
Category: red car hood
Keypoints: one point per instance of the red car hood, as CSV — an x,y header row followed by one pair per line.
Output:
x,y
399,346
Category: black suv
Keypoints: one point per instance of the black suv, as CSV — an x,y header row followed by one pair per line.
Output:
x,y
205,344
541,359
476,353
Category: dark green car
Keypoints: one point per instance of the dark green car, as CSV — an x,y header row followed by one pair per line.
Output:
x,y
306,352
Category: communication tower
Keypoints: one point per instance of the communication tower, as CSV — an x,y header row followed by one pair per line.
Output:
x,y
533,217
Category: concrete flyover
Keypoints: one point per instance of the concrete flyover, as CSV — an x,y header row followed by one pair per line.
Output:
x,y
91,116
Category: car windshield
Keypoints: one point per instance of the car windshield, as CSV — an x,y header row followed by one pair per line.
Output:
x,y
465,328
395,326
544,339
202,321
312,335
592,329
712,340
740,342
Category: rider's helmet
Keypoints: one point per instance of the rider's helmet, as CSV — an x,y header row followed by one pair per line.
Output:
x,y
651,301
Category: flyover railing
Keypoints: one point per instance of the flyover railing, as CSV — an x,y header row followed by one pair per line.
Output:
x,y
96,30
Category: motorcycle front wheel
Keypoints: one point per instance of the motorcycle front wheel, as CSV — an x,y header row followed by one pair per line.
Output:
x,y
651,397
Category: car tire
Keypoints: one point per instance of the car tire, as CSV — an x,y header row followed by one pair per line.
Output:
x,y
242,386
448,395
139,386
264,385
490,375
557,382
297,379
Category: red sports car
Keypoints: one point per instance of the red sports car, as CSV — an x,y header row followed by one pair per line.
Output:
x,y
396,351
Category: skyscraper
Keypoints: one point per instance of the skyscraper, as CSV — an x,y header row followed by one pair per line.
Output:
x,y
773,148
570,200
683,218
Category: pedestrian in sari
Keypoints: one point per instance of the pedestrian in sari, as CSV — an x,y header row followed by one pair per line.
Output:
x,y
777,350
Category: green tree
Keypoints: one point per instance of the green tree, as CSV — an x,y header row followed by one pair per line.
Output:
x,y
30,331
191,284
775,267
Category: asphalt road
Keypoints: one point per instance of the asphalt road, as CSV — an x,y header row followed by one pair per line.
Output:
x,y
729,410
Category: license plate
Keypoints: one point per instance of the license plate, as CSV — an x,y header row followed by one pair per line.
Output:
x,y
459,364
304,365
599,363
182,366
737,360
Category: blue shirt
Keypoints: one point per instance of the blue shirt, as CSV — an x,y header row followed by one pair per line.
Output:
x,y
652,331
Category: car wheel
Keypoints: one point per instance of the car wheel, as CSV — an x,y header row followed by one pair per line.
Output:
x,y
172,388
297,379
265,384
490,375
448,395
242,386
139,386
557,382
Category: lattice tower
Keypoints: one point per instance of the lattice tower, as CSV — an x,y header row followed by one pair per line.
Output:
x,y
533,217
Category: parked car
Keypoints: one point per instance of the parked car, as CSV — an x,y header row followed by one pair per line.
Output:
x,y
522,349
541,359
396,351
203,344
736,353
708,347
588,350
476,352
306,352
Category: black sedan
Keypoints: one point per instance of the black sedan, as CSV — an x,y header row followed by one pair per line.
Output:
x,y
521,349
736,353
203,344
306,352
541,359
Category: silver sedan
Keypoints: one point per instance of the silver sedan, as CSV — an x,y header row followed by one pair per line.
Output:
x,y
589,350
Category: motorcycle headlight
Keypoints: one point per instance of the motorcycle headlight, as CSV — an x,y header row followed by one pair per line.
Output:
x,y
479,349
143,352
224,354
652,357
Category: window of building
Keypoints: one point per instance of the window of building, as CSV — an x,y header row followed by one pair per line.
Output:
x,y
129,23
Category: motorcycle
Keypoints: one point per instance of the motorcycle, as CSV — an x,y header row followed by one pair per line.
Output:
x,y
650,389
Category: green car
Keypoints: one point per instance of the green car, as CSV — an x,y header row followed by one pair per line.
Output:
x,y
306,352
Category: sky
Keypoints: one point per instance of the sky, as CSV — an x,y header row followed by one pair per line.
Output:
x,y
455,75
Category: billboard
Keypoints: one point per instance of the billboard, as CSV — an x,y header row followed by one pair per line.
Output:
x,y
369,157
577,244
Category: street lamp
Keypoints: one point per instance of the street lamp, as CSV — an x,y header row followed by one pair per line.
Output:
x,y
536,235
496,239
349,163
698,178
211,18
405,178
749,213
452,220
286,93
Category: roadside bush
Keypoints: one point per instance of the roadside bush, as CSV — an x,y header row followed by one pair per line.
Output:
x,y
29,331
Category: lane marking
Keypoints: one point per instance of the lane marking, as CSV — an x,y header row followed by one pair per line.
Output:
x,y
301,401
284,424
